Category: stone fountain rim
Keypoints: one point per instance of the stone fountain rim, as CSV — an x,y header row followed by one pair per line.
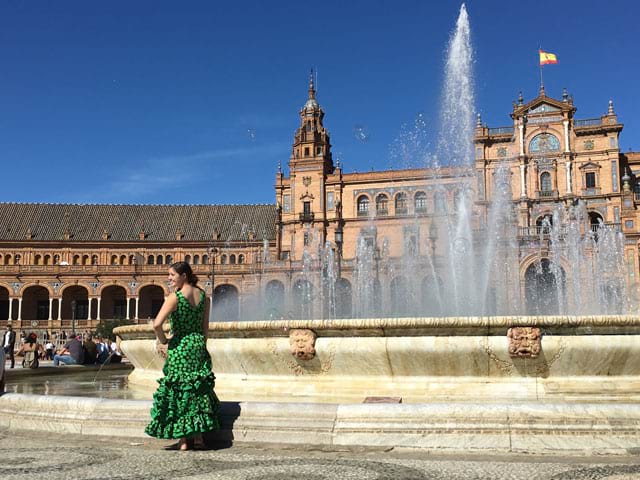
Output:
x,y
415,324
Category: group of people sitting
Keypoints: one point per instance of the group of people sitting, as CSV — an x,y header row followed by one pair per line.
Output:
x,y
76,351
87,352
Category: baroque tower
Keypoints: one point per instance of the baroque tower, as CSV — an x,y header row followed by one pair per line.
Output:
x,y
301,197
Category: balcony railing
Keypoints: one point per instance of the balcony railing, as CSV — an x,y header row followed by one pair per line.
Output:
x,y
363,213
590,191
587,122
501,131
538,230
306,217
547,194
124,269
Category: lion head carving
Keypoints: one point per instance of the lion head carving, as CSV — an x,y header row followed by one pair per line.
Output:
x,y
524,342
302,343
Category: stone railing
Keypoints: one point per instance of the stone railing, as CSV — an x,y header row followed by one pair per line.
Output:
x,y
501,131
587,122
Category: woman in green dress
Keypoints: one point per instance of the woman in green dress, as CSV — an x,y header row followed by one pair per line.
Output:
x,y
185,405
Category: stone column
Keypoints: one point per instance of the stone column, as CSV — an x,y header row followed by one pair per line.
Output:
x,y
128,307
10,309
89,309
50,309
19,309
137,305
567,166
60,308
521,129
523,183
98,310
566,136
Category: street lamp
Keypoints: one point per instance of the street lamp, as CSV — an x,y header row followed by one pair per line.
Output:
x,y
339,239
339,294
74,306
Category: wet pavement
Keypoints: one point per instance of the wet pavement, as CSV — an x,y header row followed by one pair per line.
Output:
x,y
38,454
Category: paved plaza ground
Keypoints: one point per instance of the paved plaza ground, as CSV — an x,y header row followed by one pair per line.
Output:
x,y
28,455
48,455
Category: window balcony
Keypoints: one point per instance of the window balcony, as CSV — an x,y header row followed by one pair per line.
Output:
x,y
401,211
363,213
547,194
382,212
307,217
590,191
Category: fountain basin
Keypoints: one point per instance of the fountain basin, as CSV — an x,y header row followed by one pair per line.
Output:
x,y
421,360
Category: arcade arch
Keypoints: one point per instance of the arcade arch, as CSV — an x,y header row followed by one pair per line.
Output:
x,y
150,299
226,304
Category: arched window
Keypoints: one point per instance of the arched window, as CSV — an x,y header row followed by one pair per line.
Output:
x,y
16,259
545,223
132,259
187,258
114,259
223,260
595,221
545,182
159,260
232,259
420,202
241,258
196,259
94,259
401,203
76,260
37,259
7,259
85,259
47,259
382,204
169,259
56,259
205,259
123,259
151,260
363,206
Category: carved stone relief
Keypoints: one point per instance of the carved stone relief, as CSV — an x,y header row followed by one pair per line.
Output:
x,y
302,343
524,342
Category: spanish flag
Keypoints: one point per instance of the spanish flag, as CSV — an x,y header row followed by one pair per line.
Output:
x,y
547,58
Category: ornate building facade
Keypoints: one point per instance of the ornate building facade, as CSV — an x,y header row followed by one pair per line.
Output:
x,y
65,267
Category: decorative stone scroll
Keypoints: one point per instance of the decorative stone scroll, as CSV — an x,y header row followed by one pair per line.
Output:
x,y
524,342
302,343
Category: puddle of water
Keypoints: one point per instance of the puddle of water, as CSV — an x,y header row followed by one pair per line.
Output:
x,y
105,384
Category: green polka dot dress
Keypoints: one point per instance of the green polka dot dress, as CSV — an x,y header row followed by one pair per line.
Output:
x,y
185,403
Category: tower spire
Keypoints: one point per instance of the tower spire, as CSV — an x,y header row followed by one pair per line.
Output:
x,y
312,88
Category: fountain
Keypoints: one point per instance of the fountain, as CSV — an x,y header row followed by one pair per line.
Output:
x,y
465,370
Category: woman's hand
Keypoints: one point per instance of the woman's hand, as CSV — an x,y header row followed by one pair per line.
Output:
x,y
162,349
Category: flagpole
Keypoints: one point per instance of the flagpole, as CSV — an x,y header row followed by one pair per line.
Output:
x,y
540,66
541,82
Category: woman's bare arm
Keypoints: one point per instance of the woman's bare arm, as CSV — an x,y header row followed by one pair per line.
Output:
x,y
168,306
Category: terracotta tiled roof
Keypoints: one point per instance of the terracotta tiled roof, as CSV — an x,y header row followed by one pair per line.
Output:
x,y
46,221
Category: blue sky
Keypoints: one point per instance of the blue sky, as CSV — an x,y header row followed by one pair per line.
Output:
x,y
173,102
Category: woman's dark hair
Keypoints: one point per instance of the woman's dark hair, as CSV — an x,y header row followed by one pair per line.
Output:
x,y
184,267
31,338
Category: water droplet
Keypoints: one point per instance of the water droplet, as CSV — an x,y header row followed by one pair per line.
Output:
x,y
461,245
360,133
